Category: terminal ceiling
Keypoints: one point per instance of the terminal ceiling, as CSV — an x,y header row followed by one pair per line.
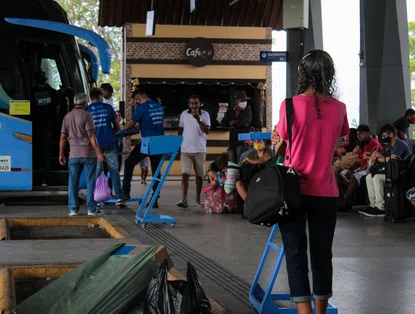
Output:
x,y
247,13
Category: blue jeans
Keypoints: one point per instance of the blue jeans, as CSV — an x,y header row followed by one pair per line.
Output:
x,y
75,166
111,159
321,214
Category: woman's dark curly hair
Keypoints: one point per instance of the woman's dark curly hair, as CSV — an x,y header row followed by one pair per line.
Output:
x,y
316,70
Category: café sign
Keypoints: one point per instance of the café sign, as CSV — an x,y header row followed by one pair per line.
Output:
x,y
199,52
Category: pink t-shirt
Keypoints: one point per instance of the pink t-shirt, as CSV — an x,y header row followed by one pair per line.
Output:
x,y
314,142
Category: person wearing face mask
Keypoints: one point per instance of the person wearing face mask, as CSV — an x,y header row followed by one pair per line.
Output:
x,y
260,156
239,120
194,125
375,182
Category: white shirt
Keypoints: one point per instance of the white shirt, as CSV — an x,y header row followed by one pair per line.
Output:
x,y
194,139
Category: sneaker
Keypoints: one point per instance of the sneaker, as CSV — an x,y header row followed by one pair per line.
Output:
x,y
145,182
95,213
125,196
200,204
120,203
72,214
375,212
367,209
182,204
156,204
142,181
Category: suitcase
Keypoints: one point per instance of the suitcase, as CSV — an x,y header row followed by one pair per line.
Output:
x,y
399,179
397,207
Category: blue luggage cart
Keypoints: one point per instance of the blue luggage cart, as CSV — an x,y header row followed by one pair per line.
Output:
x,y
264,301
165,145
158,145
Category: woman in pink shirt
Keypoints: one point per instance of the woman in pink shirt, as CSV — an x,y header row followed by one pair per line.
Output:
x,y
319,120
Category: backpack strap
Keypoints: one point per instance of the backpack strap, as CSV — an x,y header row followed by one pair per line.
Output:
x,y
289,108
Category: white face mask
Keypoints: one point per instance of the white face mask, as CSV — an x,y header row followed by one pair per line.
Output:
x,y
242,104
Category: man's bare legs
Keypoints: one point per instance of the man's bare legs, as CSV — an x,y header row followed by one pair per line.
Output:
x,y
185,186
199,185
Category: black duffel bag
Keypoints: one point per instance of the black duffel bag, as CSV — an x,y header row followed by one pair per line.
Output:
x,y
275,192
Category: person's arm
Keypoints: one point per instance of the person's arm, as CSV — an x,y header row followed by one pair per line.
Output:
x,y
62,145
90,129
138,113
116,124
203,126
345,128
226,119
95,145
260,161
181,124
213,176
114,119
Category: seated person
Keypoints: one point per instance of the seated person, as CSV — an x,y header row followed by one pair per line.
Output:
x,y
376,182
217,171
354,166
262,155
350,142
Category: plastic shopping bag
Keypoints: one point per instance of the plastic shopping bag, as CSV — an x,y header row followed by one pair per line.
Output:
x,y
102,192
194,300
164,296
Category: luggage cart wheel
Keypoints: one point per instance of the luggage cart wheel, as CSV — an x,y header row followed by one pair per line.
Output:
x,y
172,225
143,225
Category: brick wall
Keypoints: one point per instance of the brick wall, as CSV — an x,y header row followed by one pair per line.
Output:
x,y
177,51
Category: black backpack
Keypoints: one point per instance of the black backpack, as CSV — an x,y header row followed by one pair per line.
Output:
x,y
275,192
272,195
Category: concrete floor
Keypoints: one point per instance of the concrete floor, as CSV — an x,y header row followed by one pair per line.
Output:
x,y
374,261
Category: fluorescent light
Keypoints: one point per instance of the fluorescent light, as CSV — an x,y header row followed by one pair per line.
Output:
x,y
233,2
150,23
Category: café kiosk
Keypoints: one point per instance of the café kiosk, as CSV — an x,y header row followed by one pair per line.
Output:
x,y
265,301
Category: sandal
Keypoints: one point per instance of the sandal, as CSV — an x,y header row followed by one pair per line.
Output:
x,y
200,204
182,204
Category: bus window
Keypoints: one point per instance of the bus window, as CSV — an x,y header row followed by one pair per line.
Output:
x,y
50,67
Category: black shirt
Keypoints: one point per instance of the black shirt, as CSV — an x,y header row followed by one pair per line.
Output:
x,y
402,125
45,101
242,125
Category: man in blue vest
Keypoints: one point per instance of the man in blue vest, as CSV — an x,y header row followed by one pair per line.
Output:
x,y
105,118
149,114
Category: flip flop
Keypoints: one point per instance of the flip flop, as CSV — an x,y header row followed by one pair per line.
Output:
x,y
200,204
182,204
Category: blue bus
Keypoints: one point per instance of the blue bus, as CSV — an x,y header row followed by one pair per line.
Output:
x,y
36,38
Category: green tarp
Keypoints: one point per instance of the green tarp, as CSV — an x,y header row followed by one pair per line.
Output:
x,y
108,284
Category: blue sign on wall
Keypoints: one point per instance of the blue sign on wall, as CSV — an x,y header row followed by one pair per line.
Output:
x,y
273,56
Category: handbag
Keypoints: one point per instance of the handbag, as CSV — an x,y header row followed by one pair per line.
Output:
x,y
274,193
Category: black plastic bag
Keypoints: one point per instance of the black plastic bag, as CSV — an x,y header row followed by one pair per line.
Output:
x,y
194,300
164,296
